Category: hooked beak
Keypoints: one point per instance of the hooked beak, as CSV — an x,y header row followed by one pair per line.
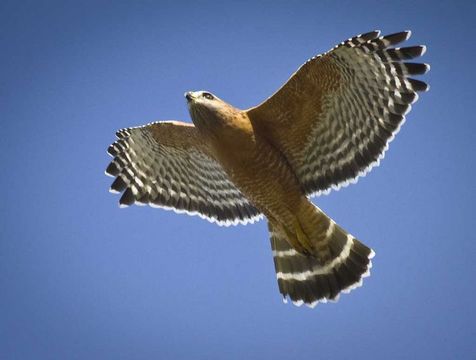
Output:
x,y
188,95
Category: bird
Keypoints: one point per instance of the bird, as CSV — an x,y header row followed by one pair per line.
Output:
x,y
328,125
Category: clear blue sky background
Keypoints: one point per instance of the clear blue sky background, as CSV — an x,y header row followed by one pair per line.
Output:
x,y
82,279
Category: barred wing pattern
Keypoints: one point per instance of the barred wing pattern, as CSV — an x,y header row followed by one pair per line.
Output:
x,y
347,104
165,164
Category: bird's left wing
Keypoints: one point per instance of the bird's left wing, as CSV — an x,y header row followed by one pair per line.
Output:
x,y
167,164
335,116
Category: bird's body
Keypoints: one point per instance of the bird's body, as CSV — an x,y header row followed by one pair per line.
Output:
x,y
330,123
254,166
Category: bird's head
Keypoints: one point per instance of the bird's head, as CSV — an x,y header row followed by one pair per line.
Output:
x,y
207,110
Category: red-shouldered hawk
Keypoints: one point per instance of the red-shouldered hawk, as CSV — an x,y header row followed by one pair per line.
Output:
x,y
330,123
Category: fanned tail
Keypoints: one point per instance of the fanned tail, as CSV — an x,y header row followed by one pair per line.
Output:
x,y
305,279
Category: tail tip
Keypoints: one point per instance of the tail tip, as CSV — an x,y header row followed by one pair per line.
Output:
x,y
344,290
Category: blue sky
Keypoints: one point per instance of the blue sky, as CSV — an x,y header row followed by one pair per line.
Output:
x,y
82,279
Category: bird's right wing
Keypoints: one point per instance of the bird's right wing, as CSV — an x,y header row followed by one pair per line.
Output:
x,y
168,165
334,118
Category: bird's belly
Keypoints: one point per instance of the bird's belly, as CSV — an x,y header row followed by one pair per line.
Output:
x,y
264,176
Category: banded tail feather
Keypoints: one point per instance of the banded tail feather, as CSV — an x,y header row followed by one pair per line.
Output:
x,y
306,280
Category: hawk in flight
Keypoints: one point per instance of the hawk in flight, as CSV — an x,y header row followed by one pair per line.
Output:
x,y
330,123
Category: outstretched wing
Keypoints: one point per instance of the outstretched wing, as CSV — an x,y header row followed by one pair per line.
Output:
x,y
335,116
166,164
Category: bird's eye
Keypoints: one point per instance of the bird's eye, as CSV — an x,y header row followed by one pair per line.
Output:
x,y
208,96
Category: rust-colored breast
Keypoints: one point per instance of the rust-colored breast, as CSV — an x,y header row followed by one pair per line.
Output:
x,y
257,168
